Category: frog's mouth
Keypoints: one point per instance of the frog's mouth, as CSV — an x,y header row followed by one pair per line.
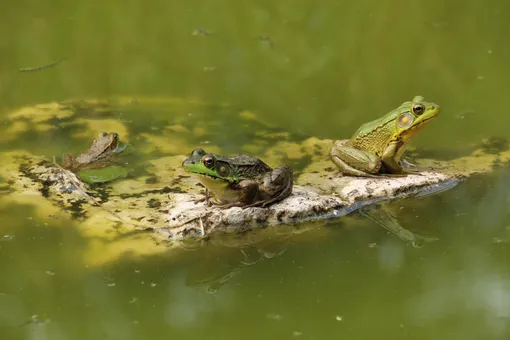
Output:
x,y
418,126
208,176
426,120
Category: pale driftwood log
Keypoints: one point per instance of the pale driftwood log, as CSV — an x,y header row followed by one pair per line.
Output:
x,y
306,203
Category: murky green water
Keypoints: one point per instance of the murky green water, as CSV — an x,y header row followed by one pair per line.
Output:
x,y
320,69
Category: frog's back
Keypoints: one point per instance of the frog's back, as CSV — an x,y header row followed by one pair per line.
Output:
x,y
374,136
241,160
247,166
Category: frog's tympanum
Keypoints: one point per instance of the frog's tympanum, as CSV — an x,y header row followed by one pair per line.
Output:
x,y
377,146
96,156
239,181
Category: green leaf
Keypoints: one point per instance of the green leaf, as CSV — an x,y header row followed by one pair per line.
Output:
x,y
103,175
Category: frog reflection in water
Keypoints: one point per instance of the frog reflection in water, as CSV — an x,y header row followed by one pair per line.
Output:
x,y
213,272
377,146
239,181
97,156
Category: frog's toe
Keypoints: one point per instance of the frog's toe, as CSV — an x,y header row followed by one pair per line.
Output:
x,y
407,164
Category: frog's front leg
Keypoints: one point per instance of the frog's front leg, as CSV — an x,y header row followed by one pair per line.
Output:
x,y
207,198
390,164
248,193
276,186
354,162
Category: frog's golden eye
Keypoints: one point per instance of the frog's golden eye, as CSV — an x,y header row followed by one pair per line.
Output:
x,y
418,109
223,170
405,120
208,161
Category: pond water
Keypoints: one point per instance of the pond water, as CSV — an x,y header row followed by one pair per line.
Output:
x,y
307,67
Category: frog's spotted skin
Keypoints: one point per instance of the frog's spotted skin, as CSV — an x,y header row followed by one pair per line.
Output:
x,y
242,181
377,146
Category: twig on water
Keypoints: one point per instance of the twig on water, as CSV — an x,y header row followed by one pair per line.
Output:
x,y
35,69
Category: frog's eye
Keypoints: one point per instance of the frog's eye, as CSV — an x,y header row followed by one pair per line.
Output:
x,y
405,120
418,109
208,161
198,152
223,170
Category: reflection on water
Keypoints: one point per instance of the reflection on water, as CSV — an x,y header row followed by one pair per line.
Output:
x,y
383,217
213,272
187,308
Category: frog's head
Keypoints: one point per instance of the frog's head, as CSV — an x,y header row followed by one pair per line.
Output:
x,y
112,136
412,116
106,141
207,165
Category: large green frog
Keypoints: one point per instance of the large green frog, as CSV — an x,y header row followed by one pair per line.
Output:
x,y
377,146
239,181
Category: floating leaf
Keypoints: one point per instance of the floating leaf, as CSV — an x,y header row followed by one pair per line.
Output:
x,y
103,175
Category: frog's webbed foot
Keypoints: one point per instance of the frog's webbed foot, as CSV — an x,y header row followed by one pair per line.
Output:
x,y
406,164
206,199
411,168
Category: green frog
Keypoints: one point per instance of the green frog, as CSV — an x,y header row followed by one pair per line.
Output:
x,y
97,156
239,181
377,147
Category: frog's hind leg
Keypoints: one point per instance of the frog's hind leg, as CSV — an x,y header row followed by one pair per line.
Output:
x,y
336,157
346,169
284,176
